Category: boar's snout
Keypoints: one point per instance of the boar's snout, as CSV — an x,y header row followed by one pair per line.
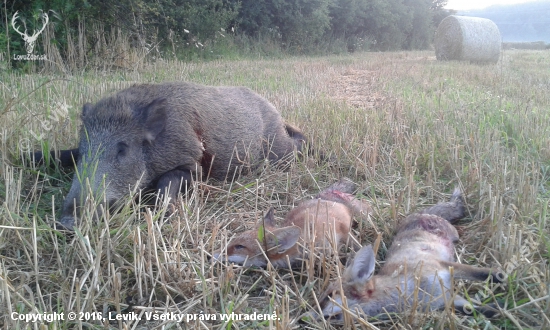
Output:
x,y
78,201
66,223
67,220
69,216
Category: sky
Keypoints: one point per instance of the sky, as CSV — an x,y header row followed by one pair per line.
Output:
x,y
478,4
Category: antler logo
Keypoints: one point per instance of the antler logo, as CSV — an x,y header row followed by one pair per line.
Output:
x,y
29,40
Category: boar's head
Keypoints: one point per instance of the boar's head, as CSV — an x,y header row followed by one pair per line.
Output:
x,y
115,140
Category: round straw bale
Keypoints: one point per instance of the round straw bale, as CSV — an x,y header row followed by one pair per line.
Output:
x,y
468,39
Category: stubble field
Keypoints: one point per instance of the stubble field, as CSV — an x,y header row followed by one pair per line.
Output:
x,y
406,128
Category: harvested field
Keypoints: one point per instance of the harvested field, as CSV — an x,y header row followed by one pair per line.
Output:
x,y
406,128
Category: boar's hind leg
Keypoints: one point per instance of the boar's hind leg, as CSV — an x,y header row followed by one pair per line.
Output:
x,y
171,182
67,158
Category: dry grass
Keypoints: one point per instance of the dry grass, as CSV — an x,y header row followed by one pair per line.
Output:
x,y
408,129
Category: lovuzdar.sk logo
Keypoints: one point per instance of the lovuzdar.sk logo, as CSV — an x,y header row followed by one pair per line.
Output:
x,y
29,39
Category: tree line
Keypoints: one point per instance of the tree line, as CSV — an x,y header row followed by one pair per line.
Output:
x,y
296,26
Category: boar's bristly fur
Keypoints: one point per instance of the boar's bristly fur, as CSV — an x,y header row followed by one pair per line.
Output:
x,y
158,135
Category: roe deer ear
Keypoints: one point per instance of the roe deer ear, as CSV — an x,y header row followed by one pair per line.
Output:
x,y
154,118
269,218
362,266
284,238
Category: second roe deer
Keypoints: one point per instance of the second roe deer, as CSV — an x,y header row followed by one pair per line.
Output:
x,y
416,272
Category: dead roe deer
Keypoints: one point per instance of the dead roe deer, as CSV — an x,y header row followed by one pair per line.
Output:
x,y
318,223
417,271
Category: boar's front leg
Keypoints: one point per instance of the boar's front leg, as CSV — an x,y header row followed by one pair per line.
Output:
x,y
67,158
173,182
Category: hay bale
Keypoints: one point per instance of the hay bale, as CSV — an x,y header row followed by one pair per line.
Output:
x,y
467,39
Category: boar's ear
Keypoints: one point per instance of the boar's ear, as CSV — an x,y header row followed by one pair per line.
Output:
x,y
269,218
86,108
154,118
362,266
284,238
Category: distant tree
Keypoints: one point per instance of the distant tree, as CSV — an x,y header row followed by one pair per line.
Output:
x,y
299,24
420,34
391,24
439,11
172,21
388,22
203,18
347,17
255,17
302,22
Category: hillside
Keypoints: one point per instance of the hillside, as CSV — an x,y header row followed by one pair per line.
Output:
x,y
522,22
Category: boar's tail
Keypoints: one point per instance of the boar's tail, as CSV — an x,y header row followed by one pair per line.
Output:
x,y
65,158
302,144
299,139
451,211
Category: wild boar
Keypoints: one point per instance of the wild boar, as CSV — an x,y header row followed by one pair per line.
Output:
x,y
158,135
310,224
416,272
